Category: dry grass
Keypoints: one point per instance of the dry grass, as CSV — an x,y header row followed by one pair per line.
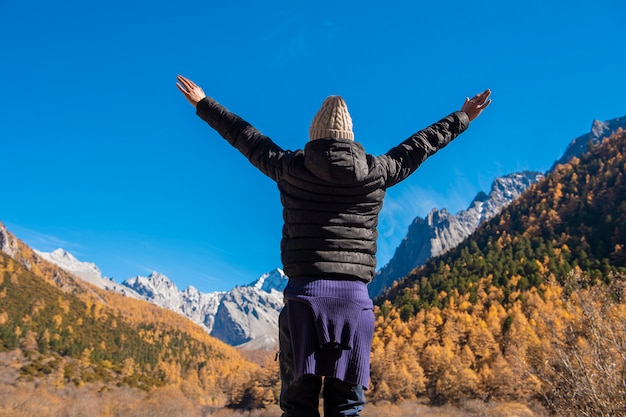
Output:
x,y
28,400
472,408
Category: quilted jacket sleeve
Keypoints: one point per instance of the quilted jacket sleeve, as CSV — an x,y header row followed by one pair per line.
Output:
x,y
402,160
260,150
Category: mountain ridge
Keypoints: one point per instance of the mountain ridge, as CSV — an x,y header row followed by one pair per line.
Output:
x,y
244,317
224,314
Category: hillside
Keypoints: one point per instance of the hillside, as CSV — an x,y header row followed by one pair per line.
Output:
x,y
575,217
531,306
61,331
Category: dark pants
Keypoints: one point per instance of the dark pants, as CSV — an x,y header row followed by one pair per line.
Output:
x,y
300,398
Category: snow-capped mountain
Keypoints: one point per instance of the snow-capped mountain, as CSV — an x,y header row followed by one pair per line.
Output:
x,y
441,231
246,315
274,281
88,271
191,303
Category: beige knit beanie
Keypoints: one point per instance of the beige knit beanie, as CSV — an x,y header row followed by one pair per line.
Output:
x,y
332,120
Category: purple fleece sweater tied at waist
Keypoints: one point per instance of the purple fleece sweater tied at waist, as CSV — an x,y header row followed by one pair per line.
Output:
x,y
331,323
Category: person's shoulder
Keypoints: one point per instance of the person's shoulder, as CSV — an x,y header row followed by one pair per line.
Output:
x,y
291,157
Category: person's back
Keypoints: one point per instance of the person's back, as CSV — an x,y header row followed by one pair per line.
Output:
x,y
331,193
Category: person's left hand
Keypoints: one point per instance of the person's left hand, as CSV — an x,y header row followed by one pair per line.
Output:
x,y
474,106
190,90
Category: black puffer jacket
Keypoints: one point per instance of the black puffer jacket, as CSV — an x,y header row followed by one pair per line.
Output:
x,y
332,191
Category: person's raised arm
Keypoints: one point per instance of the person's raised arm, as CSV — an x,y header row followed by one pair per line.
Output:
x,y
260,150
405,158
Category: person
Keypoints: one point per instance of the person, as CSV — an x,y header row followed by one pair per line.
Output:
x,y
331,192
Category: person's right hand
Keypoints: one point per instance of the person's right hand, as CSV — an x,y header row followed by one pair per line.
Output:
x,y
190,90
474,106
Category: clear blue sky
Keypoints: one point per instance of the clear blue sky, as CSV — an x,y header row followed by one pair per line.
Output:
x,y
101,155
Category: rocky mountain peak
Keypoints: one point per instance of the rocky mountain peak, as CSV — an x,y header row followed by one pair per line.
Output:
x,y
8,243
273,280
480,197
599,130
157,288
88,271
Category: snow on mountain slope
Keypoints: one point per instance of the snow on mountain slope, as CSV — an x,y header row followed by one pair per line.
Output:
x,y
87,271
